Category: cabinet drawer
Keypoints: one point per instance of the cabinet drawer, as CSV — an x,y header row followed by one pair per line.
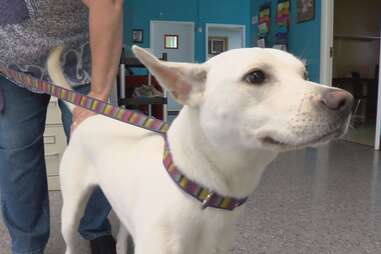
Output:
x,y
54,114
52,164
54,183
54,139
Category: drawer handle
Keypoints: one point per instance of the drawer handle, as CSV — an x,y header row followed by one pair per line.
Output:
x,y
49,140
51,155
53,103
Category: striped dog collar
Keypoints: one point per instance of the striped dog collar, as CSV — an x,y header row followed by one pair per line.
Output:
x,y
204,195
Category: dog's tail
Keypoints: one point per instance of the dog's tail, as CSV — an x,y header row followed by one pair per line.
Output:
x,y
55,71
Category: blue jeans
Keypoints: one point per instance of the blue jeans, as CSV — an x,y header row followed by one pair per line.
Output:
x,y
23,185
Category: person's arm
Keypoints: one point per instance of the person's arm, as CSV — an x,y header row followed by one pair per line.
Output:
x,y
106,36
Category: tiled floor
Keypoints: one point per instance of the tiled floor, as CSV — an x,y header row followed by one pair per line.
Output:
x,y
363,133
310,201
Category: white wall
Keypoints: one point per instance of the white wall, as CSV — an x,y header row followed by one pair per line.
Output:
x,y
185,31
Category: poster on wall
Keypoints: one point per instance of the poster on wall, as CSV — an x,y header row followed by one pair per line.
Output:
x,y
282,21
264,20
305,10
283,13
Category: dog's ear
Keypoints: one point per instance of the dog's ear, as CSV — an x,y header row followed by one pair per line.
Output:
x,y
186,81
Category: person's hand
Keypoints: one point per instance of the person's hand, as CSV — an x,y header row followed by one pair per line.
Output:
x,y
81,114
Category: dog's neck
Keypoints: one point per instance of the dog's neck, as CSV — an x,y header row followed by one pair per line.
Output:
x,y
227,170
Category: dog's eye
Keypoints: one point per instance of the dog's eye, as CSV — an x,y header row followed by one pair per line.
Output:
x,y
256,77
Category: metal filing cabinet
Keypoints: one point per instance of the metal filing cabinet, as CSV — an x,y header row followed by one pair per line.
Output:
x,y
54,142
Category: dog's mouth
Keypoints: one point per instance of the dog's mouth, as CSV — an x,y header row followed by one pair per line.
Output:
x,y
278,143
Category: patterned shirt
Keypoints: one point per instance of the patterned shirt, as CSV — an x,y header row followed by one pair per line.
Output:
x,y
29,29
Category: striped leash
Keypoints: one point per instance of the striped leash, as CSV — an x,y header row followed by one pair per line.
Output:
x,y
200,193
84,101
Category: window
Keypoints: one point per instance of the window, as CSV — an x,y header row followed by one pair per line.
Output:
x,y
171,41
217,45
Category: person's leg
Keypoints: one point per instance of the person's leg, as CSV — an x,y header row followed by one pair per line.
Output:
x,y
23,182
94,223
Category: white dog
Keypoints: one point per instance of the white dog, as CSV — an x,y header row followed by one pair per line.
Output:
x,y
241,108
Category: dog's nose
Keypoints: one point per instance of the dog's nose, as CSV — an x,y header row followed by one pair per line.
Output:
x,y
337,100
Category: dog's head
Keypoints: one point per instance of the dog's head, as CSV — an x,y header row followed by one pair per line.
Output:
x,y
255,98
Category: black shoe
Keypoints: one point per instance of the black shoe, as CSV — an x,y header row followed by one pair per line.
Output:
x,y
103,245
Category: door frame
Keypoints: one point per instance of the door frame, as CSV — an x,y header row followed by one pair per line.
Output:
x,y
326,59
378,121
326,42
215,25
191,24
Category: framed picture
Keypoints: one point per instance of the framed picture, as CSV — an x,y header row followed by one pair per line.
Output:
x,y
305,10
171,41
217,45
137,35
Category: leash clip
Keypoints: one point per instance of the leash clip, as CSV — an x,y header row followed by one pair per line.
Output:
x,y
207,200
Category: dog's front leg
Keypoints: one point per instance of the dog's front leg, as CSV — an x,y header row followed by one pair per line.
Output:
x,y
225,242
157,243
122,241
222,250
153,247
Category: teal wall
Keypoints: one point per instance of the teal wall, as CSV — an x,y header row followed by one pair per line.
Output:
x,y
304,38
223,12
139,13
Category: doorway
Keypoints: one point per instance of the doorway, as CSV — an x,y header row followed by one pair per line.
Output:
x,y
354,63
176,40
223,37
180,33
